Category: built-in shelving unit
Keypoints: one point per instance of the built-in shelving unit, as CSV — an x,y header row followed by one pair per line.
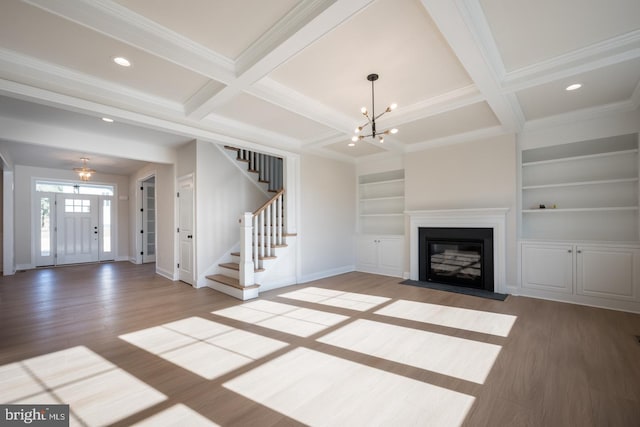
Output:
x,y
584,190
381,203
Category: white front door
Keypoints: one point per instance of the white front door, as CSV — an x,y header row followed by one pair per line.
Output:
x,y
185,230
78,233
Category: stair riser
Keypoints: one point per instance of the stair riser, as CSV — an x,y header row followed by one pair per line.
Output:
x,y
230,272
234,292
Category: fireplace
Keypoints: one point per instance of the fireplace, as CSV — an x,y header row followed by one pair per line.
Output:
x,y
494,219
456,256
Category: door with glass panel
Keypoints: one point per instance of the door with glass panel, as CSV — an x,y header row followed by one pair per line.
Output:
x,y
148,231
77,228
73,228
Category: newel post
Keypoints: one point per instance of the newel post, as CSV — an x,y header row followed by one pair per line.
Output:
x,y
247,269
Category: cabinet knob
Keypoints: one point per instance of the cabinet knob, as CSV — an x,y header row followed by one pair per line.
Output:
x,y
579,251
569,251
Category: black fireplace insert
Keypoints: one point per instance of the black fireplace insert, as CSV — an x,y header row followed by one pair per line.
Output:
x,y
457,256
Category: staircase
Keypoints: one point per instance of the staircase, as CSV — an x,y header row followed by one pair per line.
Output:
x,y
262,233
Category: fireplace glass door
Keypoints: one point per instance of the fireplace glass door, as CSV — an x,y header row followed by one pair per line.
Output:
x,y
455,262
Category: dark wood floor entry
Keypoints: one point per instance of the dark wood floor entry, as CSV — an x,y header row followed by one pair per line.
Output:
x,y
123,345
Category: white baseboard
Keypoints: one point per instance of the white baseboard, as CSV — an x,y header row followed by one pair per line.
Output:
x,y
122,258
25,267
164,273
327,273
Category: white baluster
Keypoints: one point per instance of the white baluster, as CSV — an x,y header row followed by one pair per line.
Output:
x,y
256,258
267,214
279,218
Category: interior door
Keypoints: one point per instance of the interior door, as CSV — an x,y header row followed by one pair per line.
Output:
x,y
77,228
148,232
185,230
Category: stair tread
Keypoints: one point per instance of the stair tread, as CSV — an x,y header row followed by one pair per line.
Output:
x,y
230,281
236,266
230,265
228,147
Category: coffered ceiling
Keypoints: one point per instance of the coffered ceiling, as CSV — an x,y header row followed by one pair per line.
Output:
x,y
291,74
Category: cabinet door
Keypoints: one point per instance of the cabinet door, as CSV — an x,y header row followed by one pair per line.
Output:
x,y
391,256
607,272
548,268
367,254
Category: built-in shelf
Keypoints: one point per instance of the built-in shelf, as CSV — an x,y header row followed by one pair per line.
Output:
x,y
381,203
370,199
581,157
580,183
384,182
590,190
554,210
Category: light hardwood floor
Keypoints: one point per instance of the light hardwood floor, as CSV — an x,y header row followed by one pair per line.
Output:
x,y
123,346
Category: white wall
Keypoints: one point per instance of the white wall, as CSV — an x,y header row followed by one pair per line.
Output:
x,y
479,174
23,208
222,194
327,217
165,216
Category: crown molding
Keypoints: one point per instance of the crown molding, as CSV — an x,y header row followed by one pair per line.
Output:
x,y
595,56
49,75
581,115
283,96
118,22
251,133
458,139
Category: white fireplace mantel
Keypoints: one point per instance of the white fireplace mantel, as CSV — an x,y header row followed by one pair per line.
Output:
x,y
495,218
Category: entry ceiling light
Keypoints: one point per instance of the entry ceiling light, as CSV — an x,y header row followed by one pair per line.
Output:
x,y
84,172
371,119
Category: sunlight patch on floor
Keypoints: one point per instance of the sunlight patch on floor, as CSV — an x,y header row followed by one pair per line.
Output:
x,y
286,318
206,348
453,317
349,300
177,415
322,390
457,357
97,391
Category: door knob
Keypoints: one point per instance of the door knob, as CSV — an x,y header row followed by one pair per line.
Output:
x,y
190,236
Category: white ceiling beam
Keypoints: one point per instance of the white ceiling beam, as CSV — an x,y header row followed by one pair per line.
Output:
x,y
455,19
308,22
118,22
70,139
625,47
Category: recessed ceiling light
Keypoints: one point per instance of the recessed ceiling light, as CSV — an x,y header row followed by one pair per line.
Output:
x,y
107,119
122,61
573,86
352,144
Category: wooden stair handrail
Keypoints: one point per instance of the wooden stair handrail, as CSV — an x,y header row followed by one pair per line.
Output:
x,y
268,202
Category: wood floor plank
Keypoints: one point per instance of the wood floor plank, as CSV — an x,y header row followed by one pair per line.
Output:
x,y
559,364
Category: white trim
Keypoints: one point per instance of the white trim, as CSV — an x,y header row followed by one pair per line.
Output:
x,y
327,273
495,218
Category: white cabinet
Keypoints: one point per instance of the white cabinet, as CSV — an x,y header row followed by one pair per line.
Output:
x,y
548,267
608,272
598,271
381,255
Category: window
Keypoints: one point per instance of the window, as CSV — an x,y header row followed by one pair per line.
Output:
x,y
77,206
70,188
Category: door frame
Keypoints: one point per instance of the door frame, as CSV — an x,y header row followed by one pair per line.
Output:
x,y
139,203
141,230
35,229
